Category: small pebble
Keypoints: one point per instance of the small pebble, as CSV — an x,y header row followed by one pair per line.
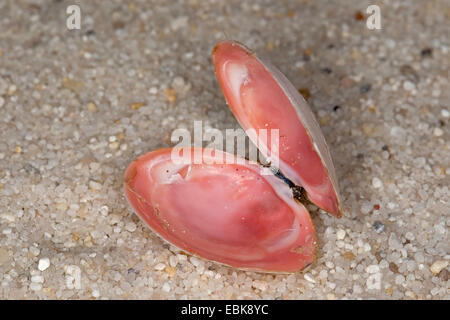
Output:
x,y
331,296
378,226
340,234
92,107
34,251
181,22
438,132
365,88
261,285
73,277
309,278
346,82
307,54
409,236
43,264
181,257
408,86
445,113
434,291
166,287
104,210
376,183
114,145
374,281
426,53
137,105
35,286
153,90
8,217
409,73
12,89
373,268
93,185
130,226
178,83
438,266
399,279
170,95
171,271
305,93
393,267
359,16
37,279
444,275
160,266
195,261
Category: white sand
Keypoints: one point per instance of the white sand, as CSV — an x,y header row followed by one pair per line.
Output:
x,y
78,106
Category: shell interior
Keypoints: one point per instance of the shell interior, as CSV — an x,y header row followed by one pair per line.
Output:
x,y
261,97
240,213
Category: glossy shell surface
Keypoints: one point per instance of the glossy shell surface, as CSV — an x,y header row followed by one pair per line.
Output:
x,y
261,97
229,213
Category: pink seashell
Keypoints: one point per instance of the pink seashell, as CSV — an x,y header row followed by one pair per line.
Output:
x,y
260,96
228,213
232,213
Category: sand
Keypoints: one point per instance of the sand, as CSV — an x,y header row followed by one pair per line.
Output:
x,y
77,106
